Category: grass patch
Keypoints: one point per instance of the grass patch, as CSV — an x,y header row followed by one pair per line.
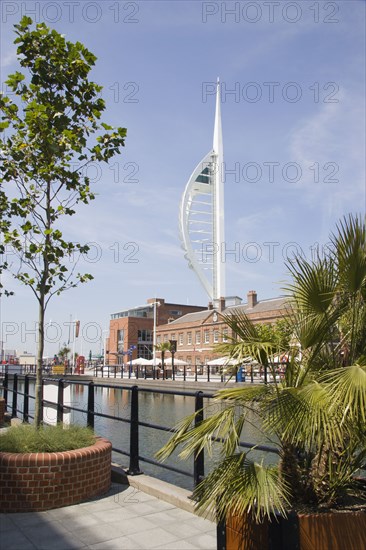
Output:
x,y
47,439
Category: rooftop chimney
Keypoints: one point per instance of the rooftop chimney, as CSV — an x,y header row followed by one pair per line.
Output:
x,y
252,298
222,304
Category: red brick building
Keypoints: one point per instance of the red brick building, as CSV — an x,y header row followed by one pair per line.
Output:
x,y
196,333
131,330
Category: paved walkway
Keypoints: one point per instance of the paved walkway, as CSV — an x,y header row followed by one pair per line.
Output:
x,y
123,519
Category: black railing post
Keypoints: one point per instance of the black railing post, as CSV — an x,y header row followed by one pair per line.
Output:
x,y
251,374
134,468
5,386
26,399
90,416
208,373
15,396
60,401
199,458
184,372
221,534
195,372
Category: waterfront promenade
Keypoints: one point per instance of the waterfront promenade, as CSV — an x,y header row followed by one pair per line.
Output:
x,y
126,518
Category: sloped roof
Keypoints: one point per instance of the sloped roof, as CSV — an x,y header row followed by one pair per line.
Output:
x,y
261,307
195,317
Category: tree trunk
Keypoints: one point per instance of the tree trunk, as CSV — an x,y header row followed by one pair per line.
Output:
x,y
38,388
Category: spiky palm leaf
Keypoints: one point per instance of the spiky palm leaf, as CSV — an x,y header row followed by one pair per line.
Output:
x,y
238,486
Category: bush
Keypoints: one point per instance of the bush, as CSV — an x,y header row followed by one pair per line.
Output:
x,y
46,439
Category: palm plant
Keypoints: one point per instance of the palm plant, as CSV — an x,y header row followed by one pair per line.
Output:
x,y
315,415
163,347
64,352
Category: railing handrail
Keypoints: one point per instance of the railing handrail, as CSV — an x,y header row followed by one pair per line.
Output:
x,y
134,421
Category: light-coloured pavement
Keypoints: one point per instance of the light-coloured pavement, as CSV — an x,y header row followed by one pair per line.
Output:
x,y
125,518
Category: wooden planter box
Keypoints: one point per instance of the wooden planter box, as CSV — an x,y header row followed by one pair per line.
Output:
x,y
33,482
326,531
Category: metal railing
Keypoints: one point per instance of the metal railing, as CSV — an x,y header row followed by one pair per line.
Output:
x,y
11,393
196,373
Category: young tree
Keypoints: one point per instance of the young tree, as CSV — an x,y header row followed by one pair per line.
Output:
x,y
53,131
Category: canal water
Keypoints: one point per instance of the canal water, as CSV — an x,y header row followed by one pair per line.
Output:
x,y
154,408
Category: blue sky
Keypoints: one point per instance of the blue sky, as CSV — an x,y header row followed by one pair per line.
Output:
x,y
293,113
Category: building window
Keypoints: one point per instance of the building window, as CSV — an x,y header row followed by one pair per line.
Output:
x,y
207,336
225,335
189,338
176,312
145,335
189,360
172,337
198,337
180,339
120,340
158,339
216,336
145,351
165,337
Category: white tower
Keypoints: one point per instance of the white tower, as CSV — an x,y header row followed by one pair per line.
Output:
x,y
202,216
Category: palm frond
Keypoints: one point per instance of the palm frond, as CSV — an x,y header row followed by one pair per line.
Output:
x,y
347,388
238,486
222,425
247,340
350,251
314,285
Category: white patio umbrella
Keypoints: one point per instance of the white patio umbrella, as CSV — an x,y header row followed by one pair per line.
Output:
x,y
142,361
177,362
222,361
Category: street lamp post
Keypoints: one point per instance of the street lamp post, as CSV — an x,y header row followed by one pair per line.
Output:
x,y
173,349
154,304
130,351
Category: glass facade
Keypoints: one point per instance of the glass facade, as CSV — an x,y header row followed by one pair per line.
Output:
x,y
145,351
120,340
145,335
145,311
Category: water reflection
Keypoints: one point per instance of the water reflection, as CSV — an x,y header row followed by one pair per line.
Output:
x,y
154,408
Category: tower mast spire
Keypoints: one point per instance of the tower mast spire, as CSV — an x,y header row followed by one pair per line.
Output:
x,y
218,204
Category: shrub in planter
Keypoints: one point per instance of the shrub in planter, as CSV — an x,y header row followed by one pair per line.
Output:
x,y
315,415
51,467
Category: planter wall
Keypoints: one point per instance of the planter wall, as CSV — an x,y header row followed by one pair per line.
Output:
x,y
42,481
328,531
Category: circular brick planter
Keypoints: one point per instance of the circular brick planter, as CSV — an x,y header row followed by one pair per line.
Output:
x,y
31,482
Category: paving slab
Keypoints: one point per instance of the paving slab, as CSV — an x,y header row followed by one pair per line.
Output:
x,y
125,518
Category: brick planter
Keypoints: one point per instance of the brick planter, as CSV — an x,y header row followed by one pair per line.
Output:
x,y
31,482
